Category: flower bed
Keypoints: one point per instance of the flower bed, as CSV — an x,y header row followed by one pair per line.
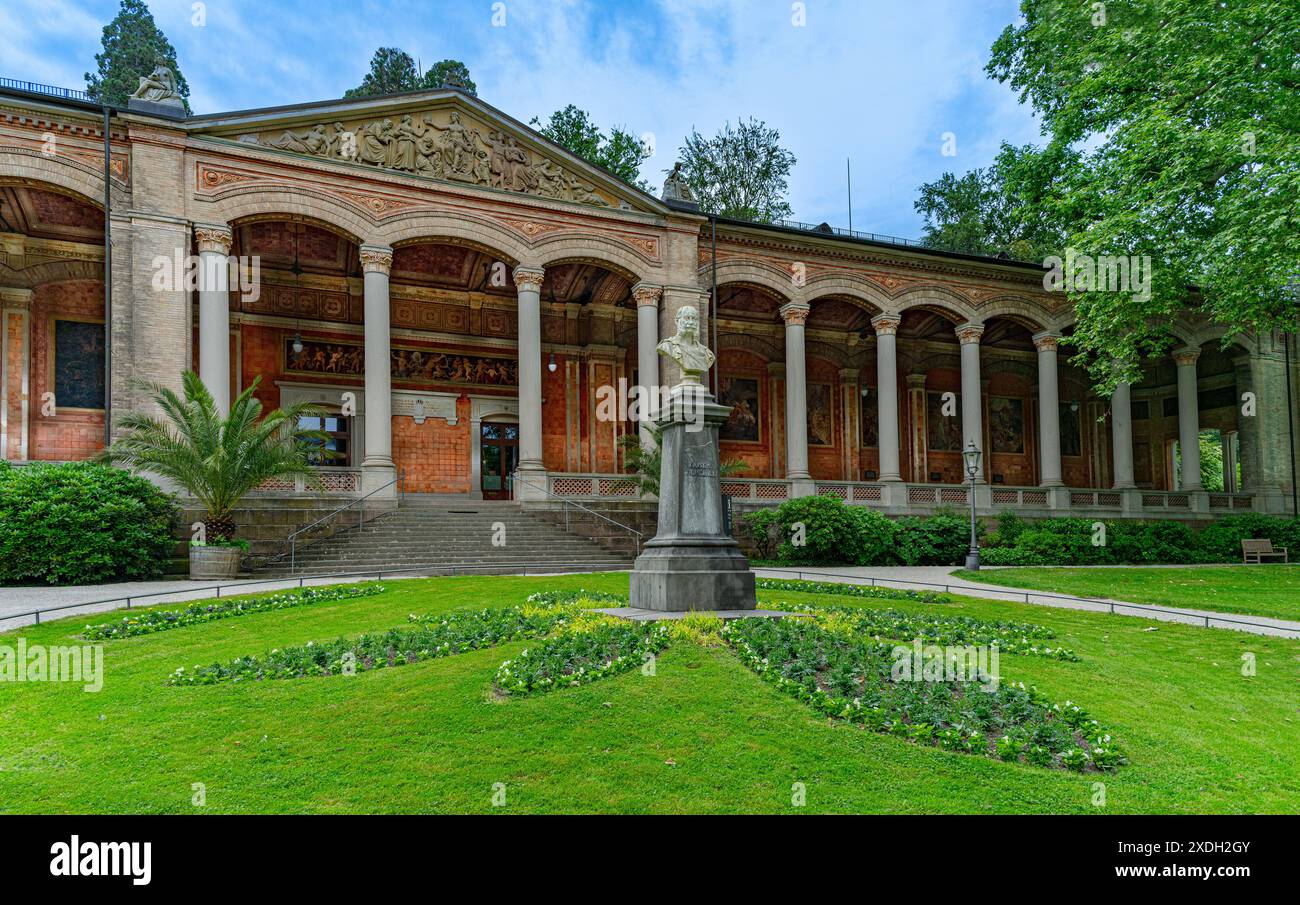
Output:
x,y
429,637
597,648
161,620
849,678
1022,638
848,590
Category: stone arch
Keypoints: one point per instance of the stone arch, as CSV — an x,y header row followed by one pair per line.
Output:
x,y
827,352
25,166
747,342
460,228
288,202
756,273
1019,310
941,301
856,289
62,272
611,254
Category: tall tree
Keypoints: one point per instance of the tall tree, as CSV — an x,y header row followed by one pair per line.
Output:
x,y
450,74
620,152
393,70
741,172
1182,123
133,47
996,210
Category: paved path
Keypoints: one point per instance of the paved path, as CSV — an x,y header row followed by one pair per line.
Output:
x,y
17,605
926,577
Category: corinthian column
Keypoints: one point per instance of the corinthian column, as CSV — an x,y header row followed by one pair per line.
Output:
x,y
1049,410
214,312
647,358
972,427
886,326
796,402
1121,436
528,284
1189,418
377,467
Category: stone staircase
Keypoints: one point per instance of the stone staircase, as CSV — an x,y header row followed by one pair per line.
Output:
x,y
443,535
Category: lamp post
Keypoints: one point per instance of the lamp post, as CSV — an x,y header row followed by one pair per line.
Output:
x,y
972,457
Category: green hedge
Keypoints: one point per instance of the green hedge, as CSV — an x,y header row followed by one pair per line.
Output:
x,y
81,523
840,534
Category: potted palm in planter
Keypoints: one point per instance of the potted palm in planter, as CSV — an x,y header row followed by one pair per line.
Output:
x,y
217,460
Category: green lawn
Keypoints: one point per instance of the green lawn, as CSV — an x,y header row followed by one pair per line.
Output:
x,y
702,735
1268,590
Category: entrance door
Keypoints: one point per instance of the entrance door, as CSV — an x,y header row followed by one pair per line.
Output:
x,y
498,457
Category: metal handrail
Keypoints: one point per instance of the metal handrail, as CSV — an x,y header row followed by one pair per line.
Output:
x,y
1029,595
637,535
53,90
399,480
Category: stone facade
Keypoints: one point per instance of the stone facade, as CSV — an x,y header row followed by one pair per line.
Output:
x,y
467,300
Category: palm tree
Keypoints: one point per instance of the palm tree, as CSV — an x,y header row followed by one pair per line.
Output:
x,y
216,459
645,463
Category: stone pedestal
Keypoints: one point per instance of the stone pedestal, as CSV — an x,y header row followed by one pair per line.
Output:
x,y
691,564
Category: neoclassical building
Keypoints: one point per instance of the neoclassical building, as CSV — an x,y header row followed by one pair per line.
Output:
x,y
463,300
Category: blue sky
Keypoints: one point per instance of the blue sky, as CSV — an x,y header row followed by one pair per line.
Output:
x,y
877,81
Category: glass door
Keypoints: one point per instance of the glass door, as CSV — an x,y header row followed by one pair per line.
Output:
x,y
498,458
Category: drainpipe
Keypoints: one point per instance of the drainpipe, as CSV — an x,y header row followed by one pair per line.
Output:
x,y
713,302
108,284
1290,426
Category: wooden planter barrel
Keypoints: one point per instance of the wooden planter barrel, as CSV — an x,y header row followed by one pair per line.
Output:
x,y
215,562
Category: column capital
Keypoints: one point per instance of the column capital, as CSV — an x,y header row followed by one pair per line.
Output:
x,y
1186,357
529,278
969,333
776,369
376,259
14,297
215,237
1046,341
886,324
795,313
849,375
647,295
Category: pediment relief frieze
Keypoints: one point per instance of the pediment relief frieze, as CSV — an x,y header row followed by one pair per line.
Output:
x,y
445,143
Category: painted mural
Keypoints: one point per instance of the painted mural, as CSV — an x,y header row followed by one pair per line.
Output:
x,y
943,430
741,393
410,364
870,419
1071,432
1006,424
78,364
821,423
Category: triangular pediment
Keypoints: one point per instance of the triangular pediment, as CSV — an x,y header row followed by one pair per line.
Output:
x,y
444,134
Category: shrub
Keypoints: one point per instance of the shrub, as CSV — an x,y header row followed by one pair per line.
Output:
x,y
942,539
1168,542
1011,556
877,536
81,523
830,532
1220,541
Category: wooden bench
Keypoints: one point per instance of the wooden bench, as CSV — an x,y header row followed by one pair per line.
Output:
x,y
1253,551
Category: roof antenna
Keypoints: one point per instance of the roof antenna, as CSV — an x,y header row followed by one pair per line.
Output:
x,y
848,166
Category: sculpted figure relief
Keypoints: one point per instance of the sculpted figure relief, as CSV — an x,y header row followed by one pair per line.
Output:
x,y
159,87
418,144
685,348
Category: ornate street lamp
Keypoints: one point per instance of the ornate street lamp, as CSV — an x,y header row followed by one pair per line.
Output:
x,y
972,457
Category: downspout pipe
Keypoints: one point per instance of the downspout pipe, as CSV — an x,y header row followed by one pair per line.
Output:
x,y
108,281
